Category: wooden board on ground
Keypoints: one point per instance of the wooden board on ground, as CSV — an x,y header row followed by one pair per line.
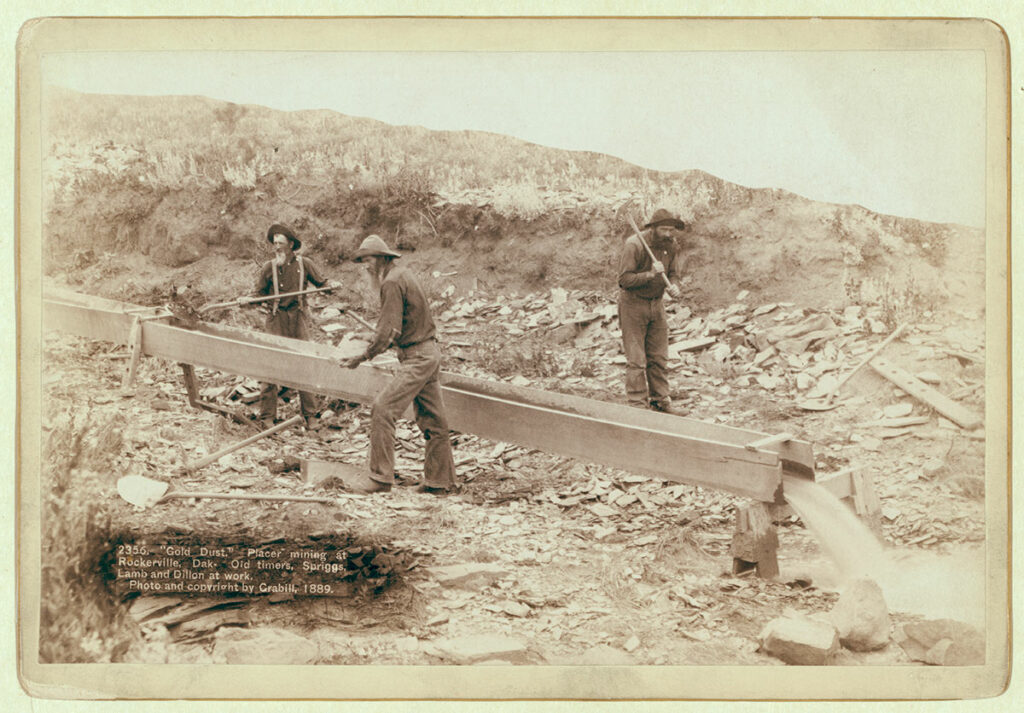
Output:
x,y
317,472
925,393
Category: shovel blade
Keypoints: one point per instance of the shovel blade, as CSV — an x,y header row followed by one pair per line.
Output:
x,y
141,491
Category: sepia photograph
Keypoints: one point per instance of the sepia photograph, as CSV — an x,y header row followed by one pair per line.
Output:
x,y
451,358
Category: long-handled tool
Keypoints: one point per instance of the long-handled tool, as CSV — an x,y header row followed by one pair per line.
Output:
x,y
241,301
826,402
145,492
356,317
647,247
241,444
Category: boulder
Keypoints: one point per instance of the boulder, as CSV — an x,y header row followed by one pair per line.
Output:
x,y
262,646
479,648
800,640
861,616
943,642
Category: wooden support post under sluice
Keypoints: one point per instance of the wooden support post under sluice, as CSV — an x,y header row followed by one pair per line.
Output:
x,y
865,500
135,343
755,543
192,392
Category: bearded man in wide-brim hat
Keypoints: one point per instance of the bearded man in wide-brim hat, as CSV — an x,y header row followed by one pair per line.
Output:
x,y
288,316
405,323
642,318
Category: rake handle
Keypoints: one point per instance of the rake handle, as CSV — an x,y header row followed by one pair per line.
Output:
x,y
257,300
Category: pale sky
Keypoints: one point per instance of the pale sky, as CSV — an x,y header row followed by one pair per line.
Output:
x,y
899,132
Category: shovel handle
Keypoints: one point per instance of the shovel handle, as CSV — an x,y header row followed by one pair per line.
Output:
x,y
241,444
874,352
245,496
256,300
359,319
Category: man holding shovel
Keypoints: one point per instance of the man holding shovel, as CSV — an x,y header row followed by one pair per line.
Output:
x,y
645,272
287,273
406,323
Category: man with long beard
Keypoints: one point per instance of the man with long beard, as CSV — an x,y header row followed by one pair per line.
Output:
x,y
406,323
288,316
645,272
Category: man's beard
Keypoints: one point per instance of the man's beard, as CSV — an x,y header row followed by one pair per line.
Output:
x,y
374,276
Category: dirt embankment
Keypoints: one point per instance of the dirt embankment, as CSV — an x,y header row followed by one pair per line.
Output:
x,y
155,187
776,245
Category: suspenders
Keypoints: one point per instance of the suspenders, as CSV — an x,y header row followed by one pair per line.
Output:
x,y
302,282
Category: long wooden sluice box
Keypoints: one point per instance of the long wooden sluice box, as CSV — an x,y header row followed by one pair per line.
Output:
x,y
747,463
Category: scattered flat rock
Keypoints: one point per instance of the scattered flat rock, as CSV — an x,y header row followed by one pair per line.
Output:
x,y
468,576
861,616
932,467
262,646
800,640
899,410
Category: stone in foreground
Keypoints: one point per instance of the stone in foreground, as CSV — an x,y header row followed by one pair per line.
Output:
x,y
800,640
861,616
262,646
468,576
943,642
483,647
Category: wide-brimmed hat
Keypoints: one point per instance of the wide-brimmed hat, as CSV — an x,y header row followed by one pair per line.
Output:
x,y
663,217
374,245
278,229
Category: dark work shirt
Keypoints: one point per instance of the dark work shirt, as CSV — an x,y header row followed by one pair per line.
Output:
x,y
404,313
289,279
636,275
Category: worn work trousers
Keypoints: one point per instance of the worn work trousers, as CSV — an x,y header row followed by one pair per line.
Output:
x,y
645,341
291,323
416,381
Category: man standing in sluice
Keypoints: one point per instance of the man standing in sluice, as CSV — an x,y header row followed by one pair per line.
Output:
x,y
405,322
642,315
289,316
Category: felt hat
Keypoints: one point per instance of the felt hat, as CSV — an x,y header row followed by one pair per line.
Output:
x,y
278,229
663,217
374,245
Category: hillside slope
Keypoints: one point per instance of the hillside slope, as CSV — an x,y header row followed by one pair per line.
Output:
x,y
180,186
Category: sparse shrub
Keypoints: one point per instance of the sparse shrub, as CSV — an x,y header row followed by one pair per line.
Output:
x,y
79,620
518,200
901,300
